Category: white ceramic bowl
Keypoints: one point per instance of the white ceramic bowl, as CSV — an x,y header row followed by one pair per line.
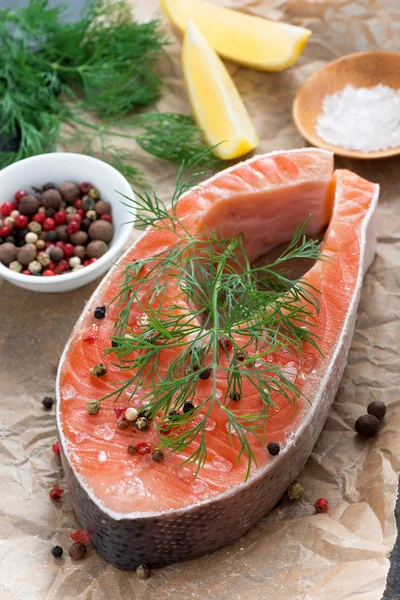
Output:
x,y
65,166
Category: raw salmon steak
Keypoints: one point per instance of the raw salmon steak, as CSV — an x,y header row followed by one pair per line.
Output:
x,y
139,511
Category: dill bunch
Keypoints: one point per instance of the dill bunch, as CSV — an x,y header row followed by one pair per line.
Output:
x,y
233,319
53,72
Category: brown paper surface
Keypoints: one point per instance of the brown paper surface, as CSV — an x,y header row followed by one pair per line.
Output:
x,y
291,554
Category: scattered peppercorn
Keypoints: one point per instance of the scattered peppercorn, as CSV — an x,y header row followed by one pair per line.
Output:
x,y
56,492
100,312
295,491
367,425
47,402
123,425
142,424
273,448
187,407
143,572
321,505
93,407
56,448
225,344
77,551
114,344
173,414
131,414
157,456
240,356
98,370
377,409
57,551
143,448
235,396
205,374
80,535
131,449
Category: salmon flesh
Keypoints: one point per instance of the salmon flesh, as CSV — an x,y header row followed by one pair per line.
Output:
x,y
138,511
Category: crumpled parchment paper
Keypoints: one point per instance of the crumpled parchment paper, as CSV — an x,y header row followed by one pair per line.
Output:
x,y
291,554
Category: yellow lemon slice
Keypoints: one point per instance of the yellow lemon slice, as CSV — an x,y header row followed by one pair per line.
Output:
x,y
245,39
216,103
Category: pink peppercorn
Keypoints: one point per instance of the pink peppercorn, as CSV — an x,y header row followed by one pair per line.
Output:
x,y
48,273
56,448
68,250
56,492
78,203
143,448
106,217
18,195
81,212
26,272
39,217
321,505
85,187
48,224
225,344
21,222
5,231
73,226
60,217
6,209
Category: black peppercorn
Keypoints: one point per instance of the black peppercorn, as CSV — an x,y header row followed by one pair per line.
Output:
x,y
273,448
367,425
48,186
123,425
114,344
157,456
172,414
377,409
47,402
57,551
187,407
240,356
50,212
52,236
77,551
10,239
205,374
100,312
235,396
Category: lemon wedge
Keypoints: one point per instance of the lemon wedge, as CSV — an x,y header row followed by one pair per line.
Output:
x,y
245,39
216,103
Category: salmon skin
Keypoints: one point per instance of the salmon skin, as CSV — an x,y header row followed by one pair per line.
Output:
x,y
141,512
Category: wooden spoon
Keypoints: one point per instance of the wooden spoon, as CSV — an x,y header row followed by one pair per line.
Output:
x,y
362,69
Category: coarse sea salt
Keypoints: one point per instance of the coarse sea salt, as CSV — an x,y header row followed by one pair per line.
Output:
x,y
365,119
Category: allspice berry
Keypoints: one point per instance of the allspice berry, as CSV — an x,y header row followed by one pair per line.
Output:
x,y
79,238
102,207
62,233
96,249
367,425
8,253
51,198
26,254
56,254
28,205
69,191
377,409
77,551
80,251
101,230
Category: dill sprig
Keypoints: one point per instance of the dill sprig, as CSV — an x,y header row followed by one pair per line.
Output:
x,y
54,73
206,314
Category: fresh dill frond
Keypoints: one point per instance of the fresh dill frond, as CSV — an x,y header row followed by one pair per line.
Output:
x,y
202,306
54,72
